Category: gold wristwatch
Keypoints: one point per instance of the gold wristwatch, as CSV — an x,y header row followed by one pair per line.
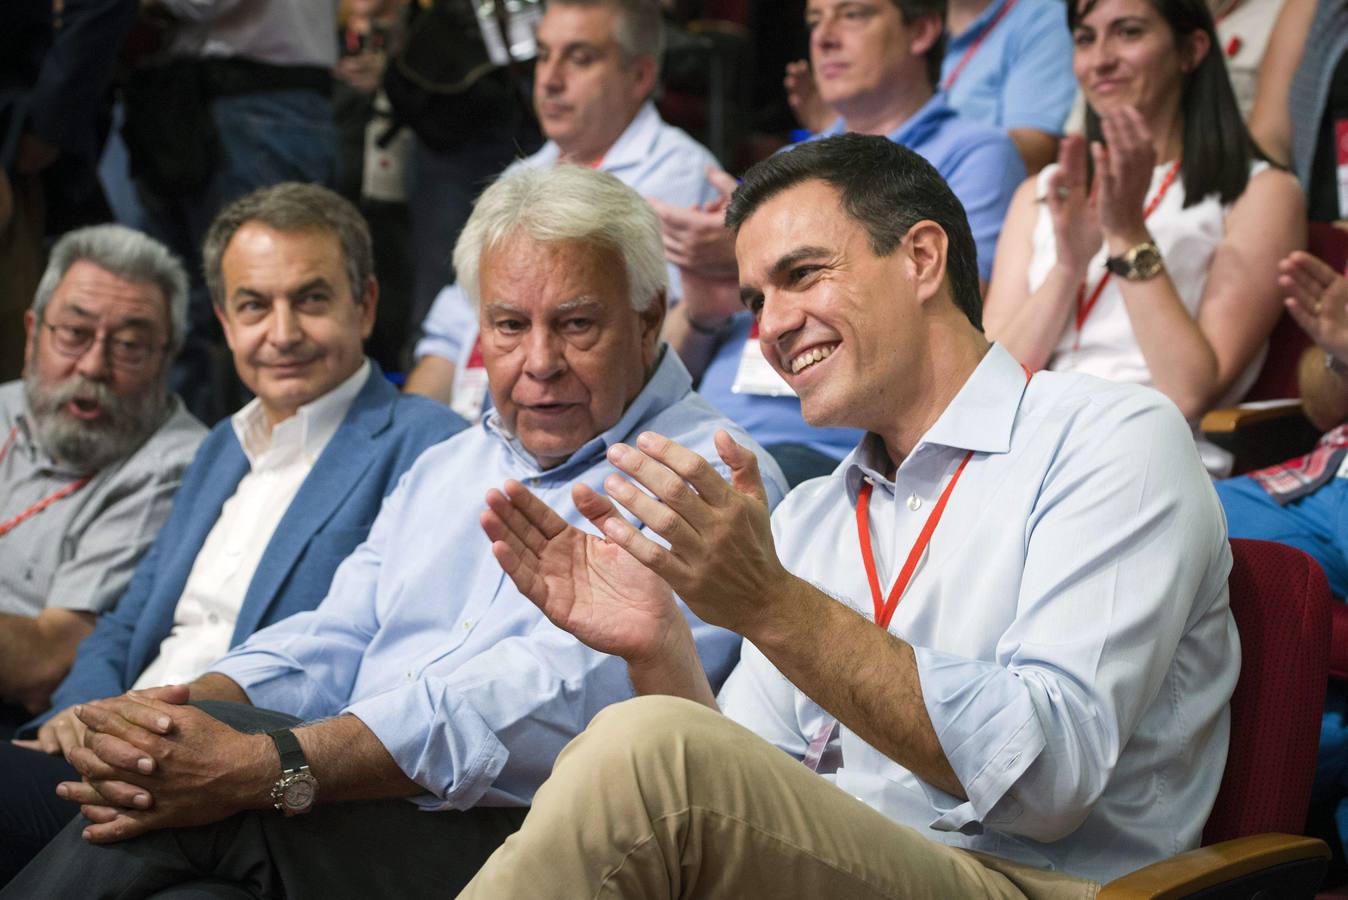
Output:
x,y
1137,263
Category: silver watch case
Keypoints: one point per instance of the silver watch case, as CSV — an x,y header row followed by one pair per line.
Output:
x,y
294,792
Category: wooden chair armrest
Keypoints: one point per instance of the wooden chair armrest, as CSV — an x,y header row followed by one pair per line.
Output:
x,y
1208,867
1233,418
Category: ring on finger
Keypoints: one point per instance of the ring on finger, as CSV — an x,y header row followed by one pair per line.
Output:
x,y
1062,192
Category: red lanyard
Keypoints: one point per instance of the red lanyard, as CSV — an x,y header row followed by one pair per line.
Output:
x,y
10,524
1084,306
978,42
885,606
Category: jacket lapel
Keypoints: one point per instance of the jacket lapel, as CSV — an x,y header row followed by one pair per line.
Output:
x,y
350,451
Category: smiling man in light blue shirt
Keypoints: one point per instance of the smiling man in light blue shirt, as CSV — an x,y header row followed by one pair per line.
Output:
x,y
423,674
1001,626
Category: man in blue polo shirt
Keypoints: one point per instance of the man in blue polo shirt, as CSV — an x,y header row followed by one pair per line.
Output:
x,y
1008,63
598,61
877,63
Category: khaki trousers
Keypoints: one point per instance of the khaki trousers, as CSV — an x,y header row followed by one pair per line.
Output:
x,y
665,798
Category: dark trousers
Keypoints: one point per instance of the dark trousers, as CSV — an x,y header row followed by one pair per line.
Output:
x,y
30,812
383,848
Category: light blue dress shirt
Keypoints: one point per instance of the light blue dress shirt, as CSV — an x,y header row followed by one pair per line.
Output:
x,y
1021,74
427,641
979,162
1070,622
651,157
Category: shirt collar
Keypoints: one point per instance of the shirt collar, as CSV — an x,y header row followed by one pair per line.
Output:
x,y
669,383
307,432
632,147
915,129
980,418
976,28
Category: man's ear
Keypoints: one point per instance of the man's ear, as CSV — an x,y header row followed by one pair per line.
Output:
x,y
652,319
369,304
224,323
928,246
644,70
925,30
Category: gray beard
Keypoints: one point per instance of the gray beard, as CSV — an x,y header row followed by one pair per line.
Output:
x,y
87,447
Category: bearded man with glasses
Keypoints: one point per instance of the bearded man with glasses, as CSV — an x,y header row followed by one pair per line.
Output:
x,y
92,449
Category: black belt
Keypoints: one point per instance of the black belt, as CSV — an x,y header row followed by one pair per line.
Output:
x,y
225,77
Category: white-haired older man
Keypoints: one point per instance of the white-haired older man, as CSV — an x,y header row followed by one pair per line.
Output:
x,y
92,448
424,675
598,62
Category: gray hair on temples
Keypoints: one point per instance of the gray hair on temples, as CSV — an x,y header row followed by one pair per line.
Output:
x,y
566,203
640,28
129,255
292,206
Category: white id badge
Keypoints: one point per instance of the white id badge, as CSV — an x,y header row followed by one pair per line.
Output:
x,y
522,18
470,385
385,177
814,752
756,375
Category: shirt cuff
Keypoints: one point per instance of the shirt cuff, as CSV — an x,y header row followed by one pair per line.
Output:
x,y
273,683
986,722
438,740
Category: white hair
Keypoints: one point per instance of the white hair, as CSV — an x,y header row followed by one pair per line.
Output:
x,y
126,253
566,203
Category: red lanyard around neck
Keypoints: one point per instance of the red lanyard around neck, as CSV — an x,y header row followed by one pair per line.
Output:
x,y
1084,305
10,524
978,42
885,606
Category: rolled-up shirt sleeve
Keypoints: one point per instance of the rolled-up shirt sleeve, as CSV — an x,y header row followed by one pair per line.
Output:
x,y
1035,734
498,721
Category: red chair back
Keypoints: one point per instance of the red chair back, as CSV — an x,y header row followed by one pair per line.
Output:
x,y
1278,378
1280,601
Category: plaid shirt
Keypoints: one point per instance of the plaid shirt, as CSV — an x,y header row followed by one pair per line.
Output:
x,y
1294,479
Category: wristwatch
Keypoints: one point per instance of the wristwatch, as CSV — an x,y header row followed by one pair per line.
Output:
x,y
294,792
1138,263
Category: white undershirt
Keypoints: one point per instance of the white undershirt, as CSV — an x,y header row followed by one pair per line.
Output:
x,y
279,460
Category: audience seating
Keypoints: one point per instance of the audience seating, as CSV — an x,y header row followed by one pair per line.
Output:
x,y
1262,434
1280,601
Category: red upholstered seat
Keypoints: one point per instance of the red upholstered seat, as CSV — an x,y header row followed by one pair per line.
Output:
x,y
1281,602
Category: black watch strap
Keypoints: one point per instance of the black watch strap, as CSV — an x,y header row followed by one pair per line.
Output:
x,y
288,748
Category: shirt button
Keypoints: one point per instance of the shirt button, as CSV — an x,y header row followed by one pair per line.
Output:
x,y
409,676
467,624
914,503
213,619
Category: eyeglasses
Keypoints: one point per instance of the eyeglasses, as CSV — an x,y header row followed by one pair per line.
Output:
x,y
73,341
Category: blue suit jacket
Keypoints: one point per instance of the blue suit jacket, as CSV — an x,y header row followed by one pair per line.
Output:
x,y
382,434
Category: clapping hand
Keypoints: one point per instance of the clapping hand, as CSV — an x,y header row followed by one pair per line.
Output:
x,y
1317,297
721,558
586,585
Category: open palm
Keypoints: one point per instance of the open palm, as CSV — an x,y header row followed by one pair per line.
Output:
x,y
586,585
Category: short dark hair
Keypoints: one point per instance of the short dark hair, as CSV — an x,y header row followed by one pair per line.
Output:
x,y
292,206
911,11
1218,148
886,188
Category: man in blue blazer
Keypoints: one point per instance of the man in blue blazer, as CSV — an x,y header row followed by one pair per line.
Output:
x,y
277,496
